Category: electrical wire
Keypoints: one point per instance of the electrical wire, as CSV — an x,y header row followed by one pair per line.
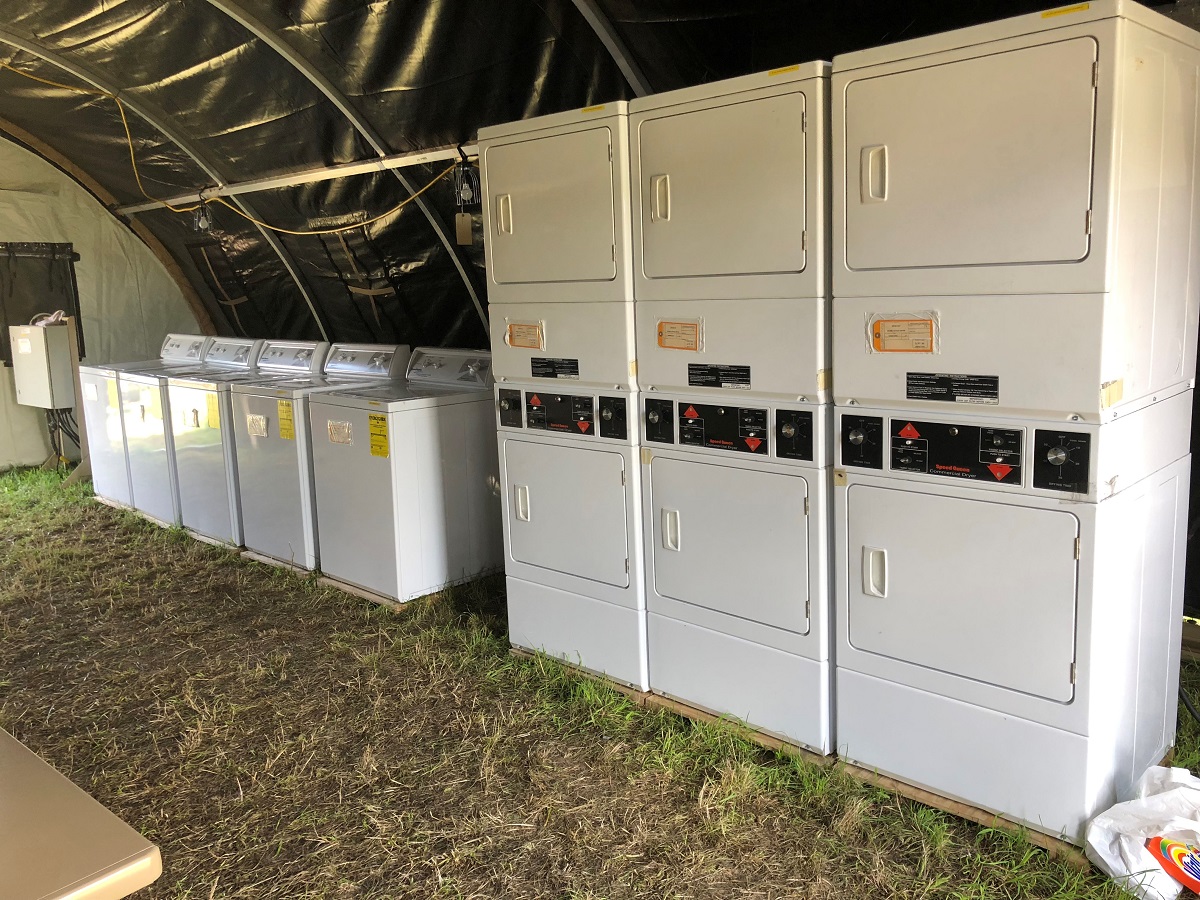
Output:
x,y
1187,702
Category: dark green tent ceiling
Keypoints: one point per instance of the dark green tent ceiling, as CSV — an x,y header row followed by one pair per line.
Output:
x,y
242,89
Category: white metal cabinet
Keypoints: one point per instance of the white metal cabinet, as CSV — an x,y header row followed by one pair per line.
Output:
x,y
567,510
105,435
985,161
973,588
732,540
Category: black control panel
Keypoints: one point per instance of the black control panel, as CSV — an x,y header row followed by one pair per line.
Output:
x,y
614,422
957,451
660,421
1061,460
793,434
862,441
509,403
571,413
739,428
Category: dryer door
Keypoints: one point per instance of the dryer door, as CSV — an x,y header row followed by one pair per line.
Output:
x,y
984,161
980,589
732,540
551,208
567,510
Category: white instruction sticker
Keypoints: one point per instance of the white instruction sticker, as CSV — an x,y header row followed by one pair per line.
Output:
x,y
256,425
340,433
90,392
23,346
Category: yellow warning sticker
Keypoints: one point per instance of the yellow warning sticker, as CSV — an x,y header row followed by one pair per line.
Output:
x,y
214,411
783,70
679,335
377,425
1065,10
526,334
592,109
902,336
287,424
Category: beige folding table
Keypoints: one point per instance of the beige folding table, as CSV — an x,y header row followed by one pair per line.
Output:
x,y
57,843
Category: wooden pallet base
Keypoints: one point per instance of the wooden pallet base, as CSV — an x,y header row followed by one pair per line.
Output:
x,y
347,588
277,563
1055,847
1191,640
205,539
113,503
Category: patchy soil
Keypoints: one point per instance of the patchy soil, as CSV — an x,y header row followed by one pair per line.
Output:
x,y
279,739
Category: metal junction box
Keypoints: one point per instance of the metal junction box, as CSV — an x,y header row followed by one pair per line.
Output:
x,y
42,365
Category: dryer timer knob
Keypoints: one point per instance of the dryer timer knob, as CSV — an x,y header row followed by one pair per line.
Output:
x,y
788,430
1056,456
857,436
652,417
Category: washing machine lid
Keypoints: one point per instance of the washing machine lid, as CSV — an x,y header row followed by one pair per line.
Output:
x,y
159,374
398,395
215,380
144,365
291,387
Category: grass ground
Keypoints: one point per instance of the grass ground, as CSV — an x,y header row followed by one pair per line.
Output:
x,y
278,739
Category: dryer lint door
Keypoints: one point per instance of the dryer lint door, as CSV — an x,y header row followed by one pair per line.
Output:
x,y
568,511
552,208
985,161
976,589
723,189
732,540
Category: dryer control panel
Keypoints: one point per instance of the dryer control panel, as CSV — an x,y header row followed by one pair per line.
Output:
x,y
580,414
737,429
956,450
1060,460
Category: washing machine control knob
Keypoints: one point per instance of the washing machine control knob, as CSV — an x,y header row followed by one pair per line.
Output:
x,y
652,417
788,430
1056,456
606,414
857,436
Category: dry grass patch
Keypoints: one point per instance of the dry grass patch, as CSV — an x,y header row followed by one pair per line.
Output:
x,y
279,739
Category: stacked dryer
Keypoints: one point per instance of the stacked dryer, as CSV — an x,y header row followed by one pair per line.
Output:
x,y
1015,317
730,217
560,287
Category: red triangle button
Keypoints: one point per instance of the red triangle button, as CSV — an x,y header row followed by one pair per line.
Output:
x,y
535,400
999,470
753,443
909,432
584,426
690,413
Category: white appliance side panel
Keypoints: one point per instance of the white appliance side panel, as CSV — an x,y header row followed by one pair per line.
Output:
x,y
734,540
1133,446
272,475
567,510
981,757
1152,313
484,513
600,637
786,695
200,440
974,588
980,162
708,174
105,436
552,208
597,337
356,515
974,335
145,412
784,342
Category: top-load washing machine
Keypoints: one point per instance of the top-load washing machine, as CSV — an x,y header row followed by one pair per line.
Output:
x,y
406,477
201,418
730,216
274,451
102,403
1014,215
560,284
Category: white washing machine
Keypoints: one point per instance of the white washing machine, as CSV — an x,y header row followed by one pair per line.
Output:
x,y
274,451
1009,599
201,416
406,477
730,224
102,405
1021,191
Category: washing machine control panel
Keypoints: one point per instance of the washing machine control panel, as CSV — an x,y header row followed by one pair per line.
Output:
x,y
183,347
954,450
1060,460
862,441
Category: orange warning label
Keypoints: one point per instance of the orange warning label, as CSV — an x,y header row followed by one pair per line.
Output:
x,y
690,413
902,335
999,470
679,335
535,400
584,426
753,443
526,334
909,432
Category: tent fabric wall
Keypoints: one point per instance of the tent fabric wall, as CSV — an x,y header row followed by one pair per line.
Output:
x,y
127,300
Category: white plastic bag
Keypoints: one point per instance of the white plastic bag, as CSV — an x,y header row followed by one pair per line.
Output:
x,y
1166,805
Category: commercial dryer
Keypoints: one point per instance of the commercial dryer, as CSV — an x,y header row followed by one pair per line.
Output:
x,y
102,404
406,477
201,419
274,450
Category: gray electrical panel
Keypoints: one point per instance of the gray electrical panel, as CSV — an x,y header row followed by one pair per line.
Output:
x,y
42,369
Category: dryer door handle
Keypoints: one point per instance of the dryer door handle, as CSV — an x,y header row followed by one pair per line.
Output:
x,y
521,501
660,198
504,220
873,174
874,572
670,530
